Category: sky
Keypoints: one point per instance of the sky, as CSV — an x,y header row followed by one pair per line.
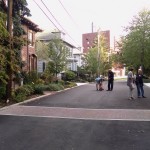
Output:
x,y
75,17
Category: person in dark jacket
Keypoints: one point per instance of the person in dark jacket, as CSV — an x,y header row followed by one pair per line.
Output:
x,y
110,80
139,84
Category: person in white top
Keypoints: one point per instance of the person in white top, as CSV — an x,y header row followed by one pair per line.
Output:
x,y
130,83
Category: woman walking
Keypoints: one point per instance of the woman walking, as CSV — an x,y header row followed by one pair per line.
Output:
x,y
130,83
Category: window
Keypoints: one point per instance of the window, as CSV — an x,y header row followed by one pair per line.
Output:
x,y
30,38
70,53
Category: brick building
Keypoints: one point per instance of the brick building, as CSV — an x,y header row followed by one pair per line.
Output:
x,y
28,55
89,38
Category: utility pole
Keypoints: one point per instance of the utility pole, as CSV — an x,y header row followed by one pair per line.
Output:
x,y
98,45
92,27
9,59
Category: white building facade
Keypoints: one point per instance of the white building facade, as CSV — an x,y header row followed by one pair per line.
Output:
x,y
73,60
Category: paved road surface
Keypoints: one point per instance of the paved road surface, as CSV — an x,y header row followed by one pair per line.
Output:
x,y
78,119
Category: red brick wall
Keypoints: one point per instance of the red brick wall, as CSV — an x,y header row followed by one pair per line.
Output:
x,y
29,49
88,40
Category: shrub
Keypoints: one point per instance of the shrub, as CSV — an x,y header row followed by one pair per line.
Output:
x,y
69,75
70,84
61,82
40,81
30,77
21,93
19,97
27,89
2,90
39,89
55,87
47,77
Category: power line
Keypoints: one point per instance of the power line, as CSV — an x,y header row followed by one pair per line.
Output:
x,y
68,14
46,15
58,22
52,15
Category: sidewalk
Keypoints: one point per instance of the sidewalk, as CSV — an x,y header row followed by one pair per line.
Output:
x,y
147,84
79,84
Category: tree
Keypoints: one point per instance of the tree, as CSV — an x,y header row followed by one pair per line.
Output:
x,y
42,50
93,61
11,45
3,50
135,47
90,60
57,53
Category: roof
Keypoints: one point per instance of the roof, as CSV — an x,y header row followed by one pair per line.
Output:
x,y
24,20
77,52
30,24
49,35
45,36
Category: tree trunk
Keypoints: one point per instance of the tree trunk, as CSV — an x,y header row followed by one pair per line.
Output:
x,y
8,68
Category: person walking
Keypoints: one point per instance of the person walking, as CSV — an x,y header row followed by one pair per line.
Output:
x,y
110,80
139,83
130,83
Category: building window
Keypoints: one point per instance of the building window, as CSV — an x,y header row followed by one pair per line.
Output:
x,y
70,53
30,38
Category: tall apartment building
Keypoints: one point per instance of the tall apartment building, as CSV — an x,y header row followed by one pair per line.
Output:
x,y
89,38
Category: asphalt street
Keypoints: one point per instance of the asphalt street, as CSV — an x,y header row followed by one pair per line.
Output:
x,y
87,97
80,118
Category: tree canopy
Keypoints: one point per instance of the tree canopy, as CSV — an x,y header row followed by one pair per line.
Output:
x,y
57,53
97,62
11,43
135,46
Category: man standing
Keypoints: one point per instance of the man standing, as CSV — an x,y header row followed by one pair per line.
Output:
x,y
110,80
130,82
139,84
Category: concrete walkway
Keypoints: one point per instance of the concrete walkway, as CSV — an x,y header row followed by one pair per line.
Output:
x,y
77,113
